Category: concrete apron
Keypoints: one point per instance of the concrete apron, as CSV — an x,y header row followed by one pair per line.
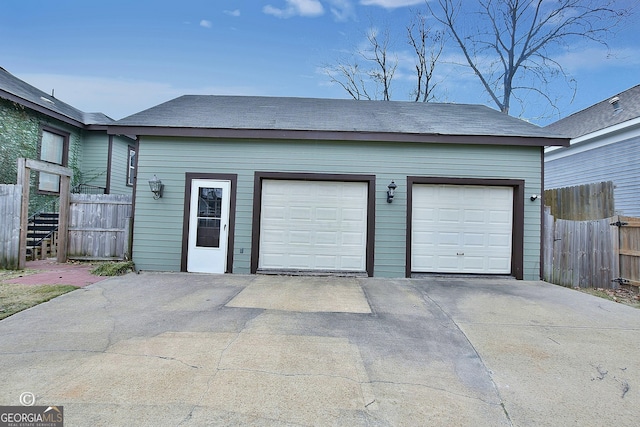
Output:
x,y
192,349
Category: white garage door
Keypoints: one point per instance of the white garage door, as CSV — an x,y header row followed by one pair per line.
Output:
x,y
313,225
461,229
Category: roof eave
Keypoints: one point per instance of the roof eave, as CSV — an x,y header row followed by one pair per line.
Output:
x,y
40,109
324,135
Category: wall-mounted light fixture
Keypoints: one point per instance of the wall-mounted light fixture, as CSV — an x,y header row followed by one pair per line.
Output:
x,y
533,197
156,187
391,190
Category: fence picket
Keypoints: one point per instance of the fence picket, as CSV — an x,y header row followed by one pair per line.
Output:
x,y
591,253
99,226
10,198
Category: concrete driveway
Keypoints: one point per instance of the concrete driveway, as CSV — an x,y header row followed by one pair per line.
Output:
x,y
169,349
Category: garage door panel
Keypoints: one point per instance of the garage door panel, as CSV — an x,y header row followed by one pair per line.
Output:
x,y
272,237
500,240
461,228
300,213
349,263
473,263
476,240
445,263
323,225
353,239
300,237
355,215
274,212
326,214
447,215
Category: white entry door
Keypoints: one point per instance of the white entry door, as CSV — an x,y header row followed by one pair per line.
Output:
x,y
208,226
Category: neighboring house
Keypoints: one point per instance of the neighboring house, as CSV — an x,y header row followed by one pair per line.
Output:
x,y
36,125
285,185
605,146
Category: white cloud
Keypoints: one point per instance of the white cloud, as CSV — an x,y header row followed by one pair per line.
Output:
x,y
206,24
390,4
235,12
599,58
342,10
307,8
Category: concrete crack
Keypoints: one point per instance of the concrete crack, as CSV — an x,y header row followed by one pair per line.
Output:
x,y
475,351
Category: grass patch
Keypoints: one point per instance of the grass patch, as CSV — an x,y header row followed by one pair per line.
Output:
x,y
15,298
113,268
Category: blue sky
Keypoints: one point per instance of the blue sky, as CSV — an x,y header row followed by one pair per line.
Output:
x,y
121,57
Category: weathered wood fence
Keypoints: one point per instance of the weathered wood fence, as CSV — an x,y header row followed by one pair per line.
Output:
x,y
99,227
582,202
10,198
601,253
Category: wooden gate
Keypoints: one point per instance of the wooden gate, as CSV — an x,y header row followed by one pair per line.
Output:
x,y
601,253
628,251
99,227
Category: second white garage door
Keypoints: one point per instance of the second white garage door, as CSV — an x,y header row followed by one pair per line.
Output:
x,y
313,225
461,229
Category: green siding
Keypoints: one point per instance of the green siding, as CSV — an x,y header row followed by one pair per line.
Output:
x,y
93,168
158,223
119,164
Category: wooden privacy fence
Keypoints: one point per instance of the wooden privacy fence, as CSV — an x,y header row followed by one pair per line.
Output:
x,y
10,198
99,227
582,202
601,253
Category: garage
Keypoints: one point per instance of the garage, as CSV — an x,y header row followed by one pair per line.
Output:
x,y
313,225
466,229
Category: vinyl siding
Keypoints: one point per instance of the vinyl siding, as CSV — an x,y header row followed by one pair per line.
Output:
x,y
93,167
618,162
158,223
119,165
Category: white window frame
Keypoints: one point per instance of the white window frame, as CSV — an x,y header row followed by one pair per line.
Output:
x,y
131,166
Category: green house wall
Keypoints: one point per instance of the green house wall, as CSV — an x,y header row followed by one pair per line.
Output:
x,y
20,135
157,241
120,164
95,161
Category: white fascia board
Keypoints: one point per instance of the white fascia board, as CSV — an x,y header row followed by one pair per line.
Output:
x,y
610,135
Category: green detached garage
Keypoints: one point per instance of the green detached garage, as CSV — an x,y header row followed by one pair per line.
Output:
x,y
328,186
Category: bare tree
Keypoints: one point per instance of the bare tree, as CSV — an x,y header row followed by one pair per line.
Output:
x,y
349,76
374,64
428,45
384,65
511,43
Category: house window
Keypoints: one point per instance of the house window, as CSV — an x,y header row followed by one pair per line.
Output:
x,y
53,149
131,166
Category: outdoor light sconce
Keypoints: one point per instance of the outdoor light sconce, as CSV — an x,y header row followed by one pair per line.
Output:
x,y
156,187
391,190
533,197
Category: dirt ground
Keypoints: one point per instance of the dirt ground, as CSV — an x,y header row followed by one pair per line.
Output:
x,y
622,295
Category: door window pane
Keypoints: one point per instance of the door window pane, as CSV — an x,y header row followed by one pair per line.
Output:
x,y
209,217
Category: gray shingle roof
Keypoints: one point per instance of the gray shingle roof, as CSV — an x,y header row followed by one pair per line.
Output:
x,y
601,115
330,115
16,90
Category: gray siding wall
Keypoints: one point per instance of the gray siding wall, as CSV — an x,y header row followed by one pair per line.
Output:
x,y
158,223
618,162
